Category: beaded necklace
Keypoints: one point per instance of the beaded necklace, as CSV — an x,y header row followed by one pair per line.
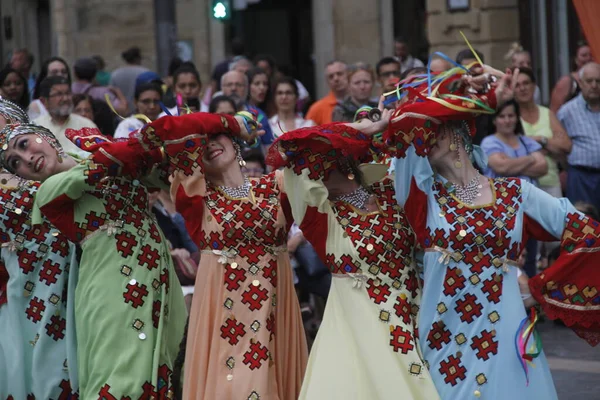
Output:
x,y
237,192
357,198
469,192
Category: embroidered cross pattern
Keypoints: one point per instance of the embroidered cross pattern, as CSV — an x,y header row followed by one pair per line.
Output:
x,y
493,288
270,272
232,331
438,335
468,308
35,310
484,345
344,265
49,272
56,327
255,356
254,296
134,218
125,243
234,277
93,221
402,308
60,246
149,391
454,281
154,234
36,233
401,340
27,260
378,293
148,257
135,294
453,370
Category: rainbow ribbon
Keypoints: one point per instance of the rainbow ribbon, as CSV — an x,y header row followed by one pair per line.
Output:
x,y
434,82
524,334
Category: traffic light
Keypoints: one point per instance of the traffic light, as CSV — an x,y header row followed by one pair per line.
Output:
x,y
221,10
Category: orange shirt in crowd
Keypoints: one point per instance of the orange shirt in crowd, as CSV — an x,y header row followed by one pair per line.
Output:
x,y
320,112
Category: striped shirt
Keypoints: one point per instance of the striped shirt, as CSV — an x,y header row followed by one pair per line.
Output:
x,y
583,127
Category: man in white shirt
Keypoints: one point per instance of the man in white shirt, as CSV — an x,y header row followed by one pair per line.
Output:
x,y
55,94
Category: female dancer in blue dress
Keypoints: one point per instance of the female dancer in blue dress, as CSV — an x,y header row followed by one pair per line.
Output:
x,y
474,332
39,266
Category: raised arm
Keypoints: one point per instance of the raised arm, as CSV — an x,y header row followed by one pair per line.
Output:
x,y
570,288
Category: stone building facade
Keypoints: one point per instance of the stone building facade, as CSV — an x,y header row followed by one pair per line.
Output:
x,y
351,30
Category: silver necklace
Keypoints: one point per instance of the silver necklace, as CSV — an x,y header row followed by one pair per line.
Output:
x,y
237,192
469,192
357,198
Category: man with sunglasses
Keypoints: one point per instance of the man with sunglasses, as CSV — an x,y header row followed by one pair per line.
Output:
x,y
55,94
388,73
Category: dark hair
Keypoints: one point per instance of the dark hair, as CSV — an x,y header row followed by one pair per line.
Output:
x,y
85,69
174,64
348,165
214,103
100,64
255,155
102,115
144,87
51,81
23,102
44,73
79,97
253,73
518,128
186,68
466,54
269,59
413,71
385,61
286,80
400,39
132,55
526,71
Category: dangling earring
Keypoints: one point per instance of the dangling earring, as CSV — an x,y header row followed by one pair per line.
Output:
x,y
238,154
458,163
59,156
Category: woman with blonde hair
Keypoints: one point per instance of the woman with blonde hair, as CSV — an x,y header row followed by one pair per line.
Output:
x,y
360,87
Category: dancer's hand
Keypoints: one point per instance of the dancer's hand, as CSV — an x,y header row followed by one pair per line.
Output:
x,y
505,88
249,131
369,127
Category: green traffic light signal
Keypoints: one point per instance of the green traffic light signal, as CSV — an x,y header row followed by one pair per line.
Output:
x,y
221,9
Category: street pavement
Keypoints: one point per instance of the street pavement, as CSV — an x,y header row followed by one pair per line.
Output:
x,y
575,365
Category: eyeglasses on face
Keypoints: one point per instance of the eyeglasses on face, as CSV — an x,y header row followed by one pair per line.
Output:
x,y
389,74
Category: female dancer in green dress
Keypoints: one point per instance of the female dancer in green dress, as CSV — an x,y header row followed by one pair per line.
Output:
x,y
129,307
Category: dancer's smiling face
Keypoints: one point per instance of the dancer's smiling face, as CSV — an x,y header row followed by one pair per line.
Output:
x,y
31,157
219,155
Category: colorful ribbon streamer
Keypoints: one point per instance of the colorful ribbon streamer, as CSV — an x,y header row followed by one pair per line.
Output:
x,y
524,334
